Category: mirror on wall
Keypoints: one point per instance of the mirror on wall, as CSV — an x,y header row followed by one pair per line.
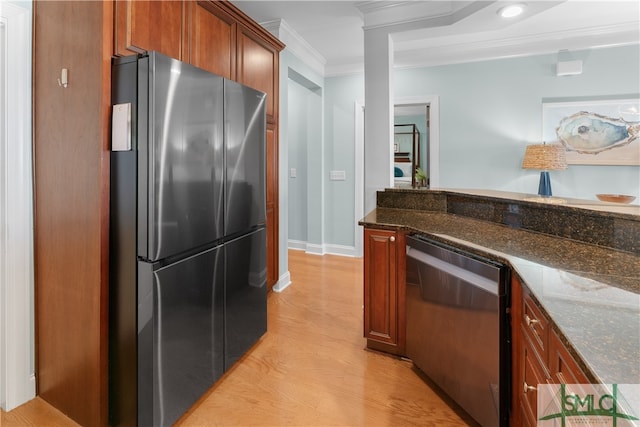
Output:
x,y
411,146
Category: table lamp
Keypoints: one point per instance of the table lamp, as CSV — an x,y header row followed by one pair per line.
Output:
x,y
545,157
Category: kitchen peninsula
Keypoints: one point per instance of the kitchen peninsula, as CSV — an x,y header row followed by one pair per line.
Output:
x,y
575,289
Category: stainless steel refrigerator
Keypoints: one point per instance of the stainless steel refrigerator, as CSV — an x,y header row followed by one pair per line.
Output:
x,y
188,243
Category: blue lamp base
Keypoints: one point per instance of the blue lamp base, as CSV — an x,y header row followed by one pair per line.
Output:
x,y
544,188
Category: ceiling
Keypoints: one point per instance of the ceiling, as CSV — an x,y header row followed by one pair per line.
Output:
x,y
330,34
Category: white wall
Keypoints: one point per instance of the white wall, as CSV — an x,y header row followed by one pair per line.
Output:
x,y
17,371
490,110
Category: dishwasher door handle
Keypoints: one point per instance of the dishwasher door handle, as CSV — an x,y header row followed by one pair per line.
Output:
x,y
467,276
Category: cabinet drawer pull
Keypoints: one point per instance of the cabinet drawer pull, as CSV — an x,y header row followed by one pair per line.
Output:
x,y
392,239
530,322
526,387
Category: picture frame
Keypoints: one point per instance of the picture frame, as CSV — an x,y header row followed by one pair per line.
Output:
x,y
598,132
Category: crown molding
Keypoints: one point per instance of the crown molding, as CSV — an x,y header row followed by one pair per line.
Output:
x,y
469,51
429,54
295,44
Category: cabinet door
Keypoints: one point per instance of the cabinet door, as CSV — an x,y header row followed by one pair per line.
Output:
x,y
532,374
272,205
563,367
149,25
383,296
258,67
212,39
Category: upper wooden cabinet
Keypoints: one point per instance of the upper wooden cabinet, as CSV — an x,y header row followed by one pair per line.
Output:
x,y
149,25
257,65
211,43
213,35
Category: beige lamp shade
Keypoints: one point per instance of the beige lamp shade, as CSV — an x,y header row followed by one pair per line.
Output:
x,y
545,157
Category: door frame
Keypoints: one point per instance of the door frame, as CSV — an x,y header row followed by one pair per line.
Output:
x,y
433,101
17,347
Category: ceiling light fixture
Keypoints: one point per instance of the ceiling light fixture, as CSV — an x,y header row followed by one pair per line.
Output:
x,y
512,10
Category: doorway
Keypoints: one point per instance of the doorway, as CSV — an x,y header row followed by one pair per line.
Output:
x,y
423,112
304,133
410,145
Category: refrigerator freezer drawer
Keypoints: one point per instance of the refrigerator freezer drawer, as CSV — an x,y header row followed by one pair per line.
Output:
x,y
180,347
245,294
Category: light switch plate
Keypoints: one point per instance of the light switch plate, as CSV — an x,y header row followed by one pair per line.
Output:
x,y
121,127
337,175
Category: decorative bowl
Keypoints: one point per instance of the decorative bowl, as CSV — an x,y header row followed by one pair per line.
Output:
x,y
616,198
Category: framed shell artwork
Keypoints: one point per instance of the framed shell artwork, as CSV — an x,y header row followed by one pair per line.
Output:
x,y
602,132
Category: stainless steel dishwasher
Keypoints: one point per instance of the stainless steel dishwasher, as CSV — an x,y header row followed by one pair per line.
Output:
x,y
457,326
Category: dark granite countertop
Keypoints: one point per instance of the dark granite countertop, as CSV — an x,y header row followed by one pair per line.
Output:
x,y
591,293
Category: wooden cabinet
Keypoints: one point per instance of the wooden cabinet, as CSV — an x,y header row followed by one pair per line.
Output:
x,y
212,39
220,38
538,356
272,204
530,342
71,143
384,290
149,25
258,64
563,367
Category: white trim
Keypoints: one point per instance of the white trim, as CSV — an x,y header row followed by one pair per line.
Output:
x,y
296,44
315,249
326,249
17,378
419,54
359,177
283,283
434,132
341,250
297,245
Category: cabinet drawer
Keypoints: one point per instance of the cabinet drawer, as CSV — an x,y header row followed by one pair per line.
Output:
x,y
535,326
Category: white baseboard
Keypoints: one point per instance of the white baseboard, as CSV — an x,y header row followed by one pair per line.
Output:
x,y
315,249
341,250
297,245
283,282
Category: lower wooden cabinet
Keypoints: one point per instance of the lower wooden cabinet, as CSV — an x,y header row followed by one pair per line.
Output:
x,y
563,367
538,354
384,290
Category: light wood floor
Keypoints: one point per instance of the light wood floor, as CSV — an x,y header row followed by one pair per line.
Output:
x,y
310,369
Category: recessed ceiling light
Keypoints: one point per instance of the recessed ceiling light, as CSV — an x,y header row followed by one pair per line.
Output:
x,y
511,11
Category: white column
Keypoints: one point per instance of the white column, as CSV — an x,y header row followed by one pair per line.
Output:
x,y
378,115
